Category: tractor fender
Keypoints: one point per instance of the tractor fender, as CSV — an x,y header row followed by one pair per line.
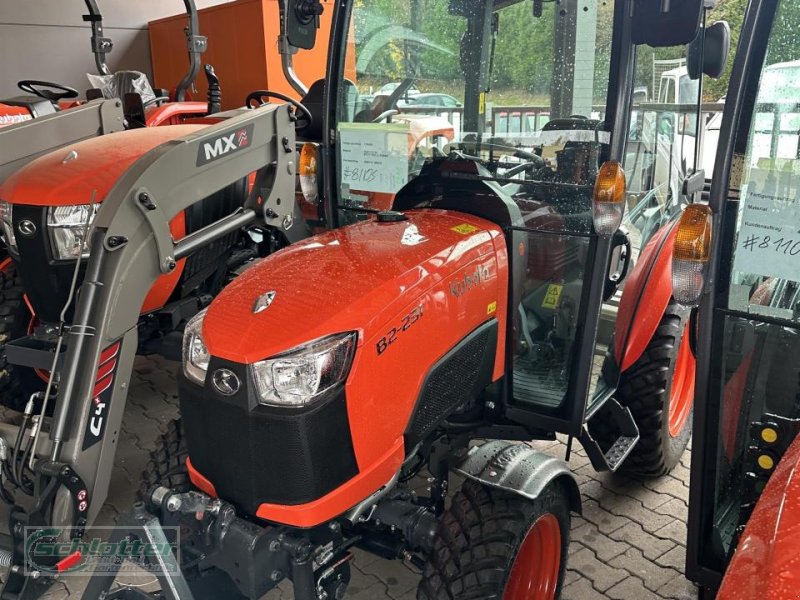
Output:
x,y
764,564
645,297
517,468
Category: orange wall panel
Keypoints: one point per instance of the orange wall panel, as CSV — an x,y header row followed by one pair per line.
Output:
x,y
242,47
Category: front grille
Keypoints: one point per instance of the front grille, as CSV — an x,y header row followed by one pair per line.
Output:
x,y
256,454
455,380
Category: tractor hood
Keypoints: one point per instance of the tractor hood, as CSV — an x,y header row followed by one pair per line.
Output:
x,y
355,278
69,175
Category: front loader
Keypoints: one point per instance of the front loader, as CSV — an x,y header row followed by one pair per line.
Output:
x,y
323,379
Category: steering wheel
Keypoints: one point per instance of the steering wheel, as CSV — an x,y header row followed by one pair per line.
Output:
x,y
54,94
385,115
258,96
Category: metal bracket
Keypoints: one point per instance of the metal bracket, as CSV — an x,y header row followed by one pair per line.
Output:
x,y
138,524
23,142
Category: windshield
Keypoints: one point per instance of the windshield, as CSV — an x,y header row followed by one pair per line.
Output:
x,y
424,77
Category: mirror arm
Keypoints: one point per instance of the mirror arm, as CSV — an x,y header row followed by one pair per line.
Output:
x,y
287,51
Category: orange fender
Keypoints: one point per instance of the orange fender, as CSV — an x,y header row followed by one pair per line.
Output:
x,y
766,564
645,297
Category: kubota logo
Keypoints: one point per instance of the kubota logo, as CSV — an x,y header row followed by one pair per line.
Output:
x,y
224,145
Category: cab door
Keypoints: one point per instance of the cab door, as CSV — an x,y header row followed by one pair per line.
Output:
x,y
748,393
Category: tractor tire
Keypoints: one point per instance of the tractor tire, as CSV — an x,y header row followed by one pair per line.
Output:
x,y
167,465
16,383
659,396
490,544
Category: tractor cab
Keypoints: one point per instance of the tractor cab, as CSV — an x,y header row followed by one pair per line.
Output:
x,y
739,264
553,181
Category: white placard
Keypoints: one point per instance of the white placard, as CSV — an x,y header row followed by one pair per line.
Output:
x,y
374,156
768,243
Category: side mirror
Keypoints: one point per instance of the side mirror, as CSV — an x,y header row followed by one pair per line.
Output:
x,y
708,53
302,22
662,23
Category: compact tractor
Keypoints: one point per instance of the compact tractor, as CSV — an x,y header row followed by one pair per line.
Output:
x,y
143,104
327,376
738,264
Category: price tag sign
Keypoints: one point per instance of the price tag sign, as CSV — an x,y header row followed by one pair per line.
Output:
x,y
768,243
374,156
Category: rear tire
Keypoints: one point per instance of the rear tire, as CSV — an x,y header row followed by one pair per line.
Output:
x,y
656,394
492,543
16,383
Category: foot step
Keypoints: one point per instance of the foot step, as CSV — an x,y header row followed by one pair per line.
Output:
x,y
621,418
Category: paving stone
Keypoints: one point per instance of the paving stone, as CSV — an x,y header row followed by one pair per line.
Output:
x,y
675,531
669,485
653,575
675,558
581,590
604,547
631,589
605,521
679,588
603,576
678,509
650,545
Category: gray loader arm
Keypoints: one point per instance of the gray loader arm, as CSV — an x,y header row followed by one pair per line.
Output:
x,y
23,142
131,247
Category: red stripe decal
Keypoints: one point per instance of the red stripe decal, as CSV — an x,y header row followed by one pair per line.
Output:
x,y
106,369
102,385
109,353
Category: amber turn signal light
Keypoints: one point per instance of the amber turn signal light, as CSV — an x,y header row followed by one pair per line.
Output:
x,y
691,254
608,203
307,171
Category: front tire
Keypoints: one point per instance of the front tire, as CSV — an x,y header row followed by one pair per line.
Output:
x,y
495,545
659,391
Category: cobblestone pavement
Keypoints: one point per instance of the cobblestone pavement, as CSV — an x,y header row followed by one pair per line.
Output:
x,y
628,545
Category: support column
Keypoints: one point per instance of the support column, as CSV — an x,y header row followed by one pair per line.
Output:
x,y
574,58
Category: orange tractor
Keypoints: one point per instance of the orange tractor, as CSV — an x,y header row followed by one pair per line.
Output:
x,y
326,376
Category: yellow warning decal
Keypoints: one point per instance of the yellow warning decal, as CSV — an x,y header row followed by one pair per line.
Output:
x,y
552,296
465,228
482,103
492,308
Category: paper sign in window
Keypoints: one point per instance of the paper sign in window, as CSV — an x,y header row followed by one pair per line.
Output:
x,y
768,243
374,156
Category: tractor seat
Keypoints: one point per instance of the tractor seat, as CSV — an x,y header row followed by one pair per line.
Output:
x,y
121,83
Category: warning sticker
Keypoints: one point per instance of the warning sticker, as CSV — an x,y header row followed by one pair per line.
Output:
x,y
552,296
492,308
465,228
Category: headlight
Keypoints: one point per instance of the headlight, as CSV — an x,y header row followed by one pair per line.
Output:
x,y
195,353
67,225
297,377
7,225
